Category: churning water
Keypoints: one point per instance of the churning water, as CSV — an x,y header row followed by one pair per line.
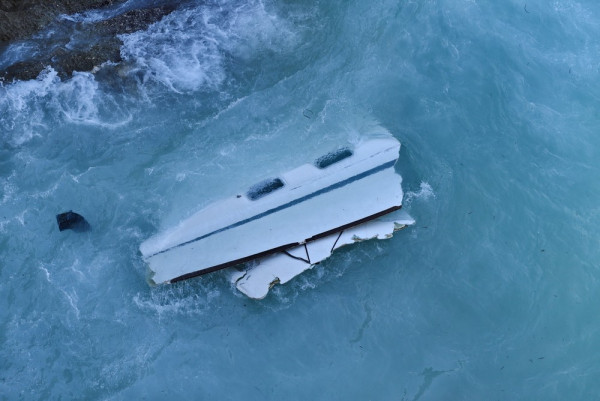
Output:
x,y
493,295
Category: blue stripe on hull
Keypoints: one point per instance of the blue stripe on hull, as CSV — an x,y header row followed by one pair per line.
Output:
x,y
287,205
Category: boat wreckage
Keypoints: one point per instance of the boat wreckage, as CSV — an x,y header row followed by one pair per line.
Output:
x,y
285,225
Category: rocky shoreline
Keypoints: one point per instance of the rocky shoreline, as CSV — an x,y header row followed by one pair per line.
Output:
x,y
19,20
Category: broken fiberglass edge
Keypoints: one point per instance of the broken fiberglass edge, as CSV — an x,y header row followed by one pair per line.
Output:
x,y
289,223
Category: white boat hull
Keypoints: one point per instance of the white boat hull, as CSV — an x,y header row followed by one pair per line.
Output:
x,y
311,206
257,279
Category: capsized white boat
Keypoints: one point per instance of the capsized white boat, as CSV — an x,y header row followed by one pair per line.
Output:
x,y
287,224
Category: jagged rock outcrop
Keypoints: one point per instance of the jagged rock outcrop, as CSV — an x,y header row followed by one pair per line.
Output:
x,y
19,19
102,43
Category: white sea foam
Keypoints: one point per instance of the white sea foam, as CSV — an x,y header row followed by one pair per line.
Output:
x,y
30,107
170,300
79,100
20,106
187,49
73,299
8,188
170,52
253,27
46,272
101,14
424,193
14,52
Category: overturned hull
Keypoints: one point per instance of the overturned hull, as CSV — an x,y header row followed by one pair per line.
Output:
x,y
297,211
257,279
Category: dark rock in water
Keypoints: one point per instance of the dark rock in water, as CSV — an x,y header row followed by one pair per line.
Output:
x,y
131,21
20,19
23,70
102,45
73,221
65,62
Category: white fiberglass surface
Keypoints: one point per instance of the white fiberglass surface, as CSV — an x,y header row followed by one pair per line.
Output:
x,y
293,224
303,181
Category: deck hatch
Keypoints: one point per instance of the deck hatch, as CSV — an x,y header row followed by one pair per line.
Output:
x,y
332,158
263,188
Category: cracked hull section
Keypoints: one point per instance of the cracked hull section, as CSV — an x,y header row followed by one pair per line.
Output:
x,y
280,213
255,280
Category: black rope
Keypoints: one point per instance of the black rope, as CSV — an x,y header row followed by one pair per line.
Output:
x,y
296,257
338,238
307,255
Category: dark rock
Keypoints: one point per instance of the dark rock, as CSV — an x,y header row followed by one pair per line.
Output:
x,y
23,70
65,62
131,21
20,19
72,221
103,45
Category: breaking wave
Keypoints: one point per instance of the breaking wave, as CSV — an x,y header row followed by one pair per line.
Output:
x,y
190,49
30,108
424,193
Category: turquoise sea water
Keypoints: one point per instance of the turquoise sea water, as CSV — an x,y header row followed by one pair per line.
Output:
x,y
492,295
